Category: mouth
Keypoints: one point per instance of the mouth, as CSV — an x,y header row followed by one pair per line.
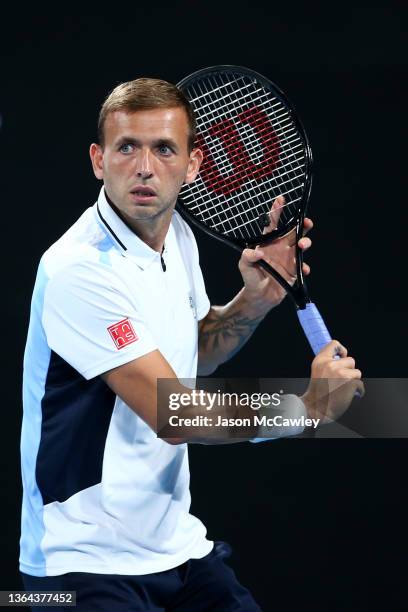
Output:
x,y
142,193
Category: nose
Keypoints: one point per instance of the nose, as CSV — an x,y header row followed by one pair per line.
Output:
x,y
144,164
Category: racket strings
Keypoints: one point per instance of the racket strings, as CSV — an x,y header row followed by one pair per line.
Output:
x,y
259,216
276,186
268,214
206,118
277,118
257,206
194,191
254,93
218,149
284,170
230,199
245,96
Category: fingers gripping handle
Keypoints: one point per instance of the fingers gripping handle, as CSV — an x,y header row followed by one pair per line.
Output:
x,y
314,327
316,331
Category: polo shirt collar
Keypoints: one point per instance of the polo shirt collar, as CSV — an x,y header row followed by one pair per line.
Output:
x,y
126,240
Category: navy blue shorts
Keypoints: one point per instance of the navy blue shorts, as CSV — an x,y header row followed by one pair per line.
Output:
x,y
194,586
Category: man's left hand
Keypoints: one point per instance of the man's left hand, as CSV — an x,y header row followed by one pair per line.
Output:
x,y
261,289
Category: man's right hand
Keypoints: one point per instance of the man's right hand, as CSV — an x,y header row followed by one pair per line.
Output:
x,y
333,384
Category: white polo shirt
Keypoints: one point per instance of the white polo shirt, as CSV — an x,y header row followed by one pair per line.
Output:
x,y
101,492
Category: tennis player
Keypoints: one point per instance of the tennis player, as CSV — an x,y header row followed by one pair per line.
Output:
x,y
119,301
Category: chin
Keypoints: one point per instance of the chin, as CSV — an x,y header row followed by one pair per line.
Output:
x,y
142,213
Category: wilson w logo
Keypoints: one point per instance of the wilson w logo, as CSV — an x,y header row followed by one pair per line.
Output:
x,y
237,151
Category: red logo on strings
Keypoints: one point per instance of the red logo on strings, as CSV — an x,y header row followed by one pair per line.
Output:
x,y
243,167
122,333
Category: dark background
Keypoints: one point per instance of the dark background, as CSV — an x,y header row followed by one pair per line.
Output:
x,y
314,524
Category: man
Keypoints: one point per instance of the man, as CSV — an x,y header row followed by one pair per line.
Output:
x,y
119,302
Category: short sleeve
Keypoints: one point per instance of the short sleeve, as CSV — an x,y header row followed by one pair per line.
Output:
x,y
91,322
202,301
188,242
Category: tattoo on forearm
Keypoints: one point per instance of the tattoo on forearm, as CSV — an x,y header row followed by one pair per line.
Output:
x,y
226,333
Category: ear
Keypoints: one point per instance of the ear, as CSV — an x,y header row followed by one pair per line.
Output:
x,y
196,157
96,153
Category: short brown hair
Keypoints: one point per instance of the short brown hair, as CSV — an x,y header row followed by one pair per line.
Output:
x,y
146,94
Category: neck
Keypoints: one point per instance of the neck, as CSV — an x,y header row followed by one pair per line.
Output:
x,y
152,231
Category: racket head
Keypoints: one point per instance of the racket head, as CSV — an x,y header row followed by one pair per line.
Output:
x,y
255,148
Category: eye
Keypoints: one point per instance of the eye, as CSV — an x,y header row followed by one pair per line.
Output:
x,y
126,148
165,150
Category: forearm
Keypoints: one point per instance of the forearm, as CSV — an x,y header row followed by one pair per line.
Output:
x,y
226,329
200,417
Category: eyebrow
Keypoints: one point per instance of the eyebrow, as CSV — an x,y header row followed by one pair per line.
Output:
x,y
156,143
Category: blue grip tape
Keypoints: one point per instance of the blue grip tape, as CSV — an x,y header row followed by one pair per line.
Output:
x,y
316,331
317,334
314,327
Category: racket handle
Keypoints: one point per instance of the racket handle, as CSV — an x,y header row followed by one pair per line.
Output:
x,y
315,330
314,327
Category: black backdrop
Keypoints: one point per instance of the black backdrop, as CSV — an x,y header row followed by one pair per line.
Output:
x,y
318,524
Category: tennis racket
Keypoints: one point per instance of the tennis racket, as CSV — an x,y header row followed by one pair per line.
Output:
x,y
255,149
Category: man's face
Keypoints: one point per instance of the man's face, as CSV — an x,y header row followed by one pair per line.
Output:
x,y
145,161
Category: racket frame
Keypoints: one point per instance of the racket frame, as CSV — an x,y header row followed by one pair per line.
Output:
x,y
298,292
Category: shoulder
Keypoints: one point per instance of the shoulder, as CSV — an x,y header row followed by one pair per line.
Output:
x,y
84,246
183,232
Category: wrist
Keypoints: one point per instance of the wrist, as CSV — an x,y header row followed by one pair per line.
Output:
x,y
255,307
287,419
316,407
308,403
